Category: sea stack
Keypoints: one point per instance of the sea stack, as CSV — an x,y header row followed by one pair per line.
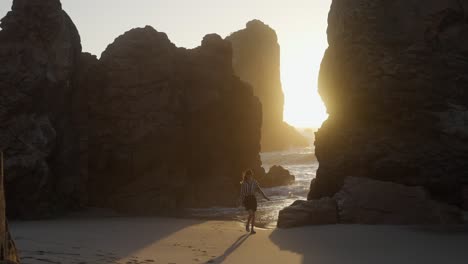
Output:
x,y
394,83
39,51
256,60
168,127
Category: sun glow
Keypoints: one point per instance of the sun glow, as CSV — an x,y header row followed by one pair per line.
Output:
x,y
302,51
303,105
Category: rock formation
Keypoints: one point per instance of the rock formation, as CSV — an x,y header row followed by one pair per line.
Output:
x,y
256,60
394,82
366,201
167,127
39,52
276,176
316,212
147,128
8,252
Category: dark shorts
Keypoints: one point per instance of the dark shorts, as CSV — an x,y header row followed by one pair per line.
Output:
x,y
250,203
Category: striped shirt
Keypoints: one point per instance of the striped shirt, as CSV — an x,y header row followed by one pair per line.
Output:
x,y
249,188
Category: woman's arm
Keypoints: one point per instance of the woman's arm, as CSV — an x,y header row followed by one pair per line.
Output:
x,y
262,193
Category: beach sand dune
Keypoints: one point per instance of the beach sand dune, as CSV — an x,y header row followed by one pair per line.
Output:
x,y
181,241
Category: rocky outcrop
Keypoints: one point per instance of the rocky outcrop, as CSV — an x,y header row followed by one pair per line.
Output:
x,y
394,82
256,60
277,176
39,52
146,128
168,127
367,201
316,212
8,250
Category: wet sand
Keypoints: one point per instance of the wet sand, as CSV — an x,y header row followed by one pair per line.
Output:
x,y
181,241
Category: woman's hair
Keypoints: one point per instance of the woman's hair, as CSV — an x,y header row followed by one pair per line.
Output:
x,y
247,173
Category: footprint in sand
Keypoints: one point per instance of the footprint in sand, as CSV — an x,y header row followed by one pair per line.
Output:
x,y
47,260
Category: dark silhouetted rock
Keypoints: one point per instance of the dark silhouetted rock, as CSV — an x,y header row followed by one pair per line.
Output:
x,y
315,212
394,83
465,197
276,176
168,127
9,254
147,128
366,201
256,59
39,53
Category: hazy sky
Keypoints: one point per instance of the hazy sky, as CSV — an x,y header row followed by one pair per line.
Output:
x,y
300,24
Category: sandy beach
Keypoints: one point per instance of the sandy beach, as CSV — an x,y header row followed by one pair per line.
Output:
x,y
168,240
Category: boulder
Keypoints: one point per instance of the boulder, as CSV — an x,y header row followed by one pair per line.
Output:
x,y
39,53
367,201
256,60
315,212
392,80
277,176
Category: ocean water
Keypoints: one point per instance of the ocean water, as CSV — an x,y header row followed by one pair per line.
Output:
x,y
300,162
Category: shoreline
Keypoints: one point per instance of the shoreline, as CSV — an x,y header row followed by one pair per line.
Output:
x,y
185,214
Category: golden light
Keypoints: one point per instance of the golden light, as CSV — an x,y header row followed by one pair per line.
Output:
x,y
300,68
303,42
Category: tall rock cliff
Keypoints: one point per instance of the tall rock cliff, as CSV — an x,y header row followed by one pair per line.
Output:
x,y
167,127
256,60
39,53
394,80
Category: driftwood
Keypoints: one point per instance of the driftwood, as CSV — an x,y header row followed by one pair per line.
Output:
x,y
8,252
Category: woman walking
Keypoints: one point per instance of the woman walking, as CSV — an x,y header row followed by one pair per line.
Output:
x,y
249,186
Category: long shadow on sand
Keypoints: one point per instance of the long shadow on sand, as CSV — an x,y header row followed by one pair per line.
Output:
x,y
106,238
231,249
373,244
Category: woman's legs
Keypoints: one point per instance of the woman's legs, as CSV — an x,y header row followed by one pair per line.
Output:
x,y
248,220
253,222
